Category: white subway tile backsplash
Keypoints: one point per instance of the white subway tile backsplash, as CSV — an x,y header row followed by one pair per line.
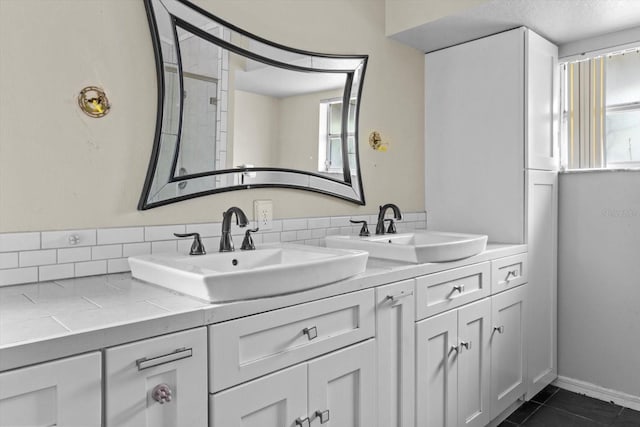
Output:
x,y
410,216
276,225
166,246
106,252
206,230
90,268
74,255
13,242
108,236
318,233
55,272
131,249
68,238
288,236
162,232
270,237
117,265
332,231
319,222
422,216
8,260
294,224
35,258
16,276
303,234
340,221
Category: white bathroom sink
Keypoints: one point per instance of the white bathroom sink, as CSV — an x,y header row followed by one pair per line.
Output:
x,y
269,270
415,247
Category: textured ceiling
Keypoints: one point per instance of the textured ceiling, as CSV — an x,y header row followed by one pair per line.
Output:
x,y
560,21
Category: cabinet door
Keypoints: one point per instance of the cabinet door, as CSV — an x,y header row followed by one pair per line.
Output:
x,y
543,106
342,387
436,371
395,342
507,349
474,368
137,373
276,400
542,290
66,393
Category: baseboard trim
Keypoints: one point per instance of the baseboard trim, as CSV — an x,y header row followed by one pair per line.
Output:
x,y
595,391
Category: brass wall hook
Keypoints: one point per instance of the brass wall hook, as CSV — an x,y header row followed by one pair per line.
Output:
x,y
93,101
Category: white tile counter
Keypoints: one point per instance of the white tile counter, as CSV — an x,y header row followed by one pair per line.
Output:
x,y
49,320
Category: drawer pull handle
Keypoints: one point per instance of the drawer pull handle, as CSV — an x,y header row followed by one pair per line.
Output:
x,y
466,344
403,294
178,354
323,415
162,393
311,332
498,329
513,273
454,348
303,422
459,288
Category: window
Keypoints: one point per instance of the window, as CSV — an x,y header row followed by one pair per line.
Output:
x,y
330,141
601,112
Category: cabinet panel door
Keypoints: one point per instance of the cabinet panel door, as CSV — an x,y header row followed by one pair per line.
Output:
x,y
134,371
66,393
474,368
344,384
437,371
543,107
542,290
276,400
395,342
507,349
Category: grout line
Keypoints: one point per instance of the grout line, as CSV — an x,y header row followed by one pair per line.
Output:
x,y
60,323
89,300
29,298
157,305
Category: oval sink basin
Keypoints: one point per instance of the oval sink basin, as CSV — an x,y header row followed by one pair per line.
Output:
x,y
415,247
267,271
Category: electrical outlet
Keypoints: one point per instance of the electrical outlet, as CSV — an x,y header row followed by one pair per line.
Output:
x,y
263,214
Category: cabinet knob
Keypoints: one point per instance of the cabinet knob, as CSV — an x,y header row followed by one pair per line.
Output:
x,y
454,348
303,422
498,329
162,393
466,344
323,415
311,332
459,288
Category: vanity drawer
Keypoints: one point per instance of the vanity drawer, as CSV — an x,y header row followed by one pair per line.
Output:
x,y
246,348
439,292
508,272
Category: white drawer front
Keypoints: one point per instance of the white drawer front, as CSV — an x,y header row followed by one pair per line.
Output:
x,y
171,365
508,272
246,348
438,292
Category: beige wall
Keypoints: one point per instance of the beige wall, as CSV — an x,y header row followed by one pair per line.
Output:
x,y
402,15
255,129
60,169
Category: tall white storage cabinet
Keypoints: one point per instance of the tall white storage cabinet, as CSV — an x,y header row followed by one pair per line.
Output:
x,y
491,158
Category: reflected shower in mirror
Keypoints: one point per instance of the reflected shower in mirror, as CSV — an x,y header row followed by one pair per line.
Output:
x,y
236,111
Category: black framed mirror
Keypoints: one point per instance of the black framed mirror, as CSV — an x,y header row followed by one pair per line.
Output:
x,y
236,111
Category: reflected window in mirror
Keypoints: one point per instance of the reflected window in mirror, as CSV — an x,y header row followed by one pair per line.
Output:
x,y
330,159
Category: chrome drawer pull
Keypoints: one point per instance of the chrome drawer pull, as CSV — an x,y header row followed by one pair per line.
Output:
x,y
459,288
323,415
466,344
513,273
498,329
394,298
311,332
303,422
178,354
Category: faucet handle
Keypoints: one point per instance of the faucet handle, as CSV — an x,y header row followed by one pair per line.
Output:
x,y
197,248
247,243
364,231
392,226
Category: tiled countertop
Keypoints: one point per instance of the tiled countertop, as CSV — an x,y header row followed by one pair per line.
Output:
x,y
49,320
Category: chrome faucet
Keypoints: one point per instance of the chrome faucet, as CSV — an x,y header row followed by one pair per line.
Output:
x,y
382,212
226,243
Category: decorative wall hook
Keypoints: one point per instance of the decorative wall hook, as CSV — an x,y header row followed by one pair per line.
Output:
x,y
375,141
93,101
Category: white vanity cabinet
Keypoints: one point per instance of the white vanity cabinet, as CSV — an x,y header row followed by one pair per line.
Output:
x,y
66,392
395,348
453,353
338,390
158,382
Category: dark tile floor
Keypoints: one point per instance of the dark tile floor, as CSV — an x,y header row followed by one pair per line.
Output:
x,y
555,407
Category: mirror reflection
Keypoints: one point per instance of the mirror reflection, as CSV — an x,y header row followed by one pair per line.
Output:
x,y
238,112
